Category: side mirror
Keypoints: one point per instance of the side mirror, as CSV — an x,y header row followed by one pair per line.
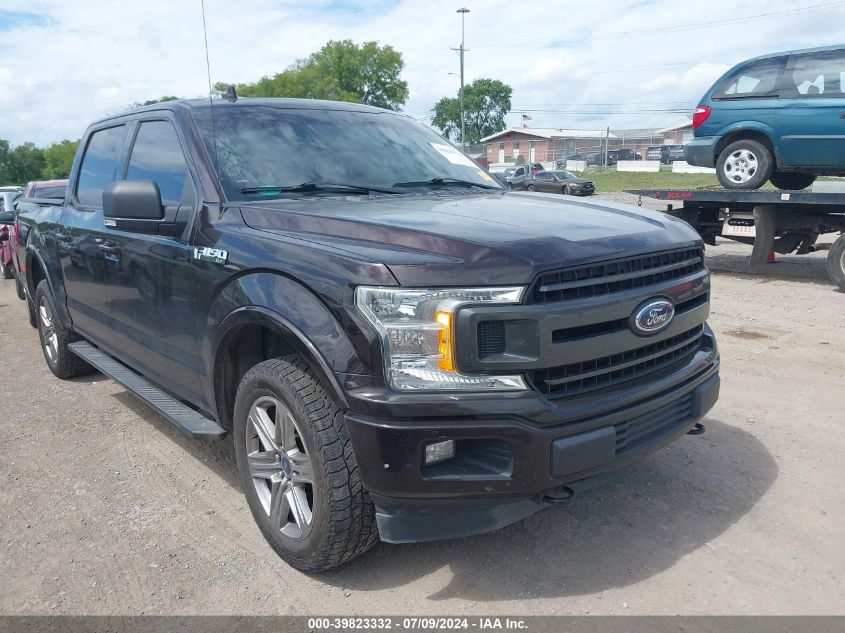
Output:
x,y
133,205
7,217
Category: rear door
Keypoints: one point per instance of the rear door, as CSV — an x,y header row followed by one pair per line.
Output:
x,y
748,97
82,238
149,276
811,117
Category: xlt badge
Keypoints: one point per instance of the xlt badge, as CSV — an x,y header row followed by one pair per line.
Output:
x,y
208,254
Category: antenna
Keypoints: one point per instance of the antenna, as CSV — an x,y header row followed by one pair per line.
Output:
x,y
210,94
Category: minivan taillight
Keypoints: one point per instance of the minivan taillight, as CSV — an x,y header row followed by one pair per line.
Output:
x,y
700,115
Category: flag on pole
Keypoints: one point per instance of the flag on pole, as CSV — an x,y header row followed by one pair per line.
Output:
x,y
525,119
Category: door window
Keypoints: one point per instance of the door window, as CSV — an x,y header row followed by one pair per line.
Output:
x,y
99,165
157,156
817,75
757,79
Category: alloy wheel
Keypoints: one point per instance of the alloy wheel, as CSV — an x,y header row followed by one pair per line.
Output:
x,y
280,468
740,166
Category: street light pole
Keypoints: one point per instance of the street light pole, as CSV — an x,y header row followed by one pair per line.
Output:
x,y
463,11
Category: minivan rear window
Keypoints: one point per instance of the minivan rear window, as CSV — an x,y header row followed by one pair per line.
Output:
x,y
756,79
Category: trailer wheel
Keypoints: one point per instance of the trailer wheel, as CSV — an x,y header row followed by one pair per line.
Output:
x,y
791,181
744,164
836,262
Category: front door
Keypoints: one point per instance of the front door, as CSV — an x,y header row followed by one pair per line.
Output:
x,y
811,116
82,240
149,276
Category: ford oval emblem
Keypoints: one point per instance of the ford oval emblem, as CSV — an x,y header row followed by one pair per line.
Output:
x,y
652,316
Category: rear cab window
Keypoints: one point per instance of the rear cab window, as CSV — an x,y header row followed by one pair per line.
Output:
x,y
813,75
99,165
756,79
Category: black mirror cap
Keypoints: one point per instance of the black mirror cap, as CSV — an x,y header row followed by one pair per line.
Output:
x,y
133,200
7,217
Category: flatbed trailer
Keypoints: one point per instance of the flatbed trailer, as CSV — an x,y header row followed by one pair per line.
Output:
x,y
770,220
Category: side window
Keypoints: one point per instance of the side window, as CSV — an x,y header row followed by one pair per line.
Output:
x,y
99,165
758,78
157,156
817,74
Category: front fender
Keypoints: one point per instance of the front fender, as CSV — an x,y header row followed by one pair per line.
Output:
x,y
291,310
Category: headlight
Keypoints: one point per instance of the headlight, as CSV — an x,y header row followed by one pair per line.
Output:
x,y
417,329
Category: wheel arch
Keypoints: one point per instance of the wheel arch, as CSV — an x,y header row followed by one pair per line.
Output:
x,y
252,334
746,133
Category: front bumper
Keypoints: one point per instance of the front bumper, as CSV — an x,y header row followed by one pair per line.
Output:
x,y
514,461
701,151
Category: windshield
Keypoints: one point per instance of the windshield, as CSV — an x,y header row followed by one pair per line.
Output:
x,y
266,147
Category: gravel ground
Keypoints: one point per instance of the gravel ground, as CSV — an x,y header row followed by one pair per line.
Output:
x,y
106,509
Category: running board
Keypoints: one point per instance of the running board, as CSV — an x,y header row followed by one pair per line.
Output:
x,y
188,420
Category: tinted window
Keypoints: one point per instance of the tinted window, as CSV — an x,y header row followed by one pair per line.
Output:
x,y
543,175
270,146
49,192
157,156
755,79
817,74
99,165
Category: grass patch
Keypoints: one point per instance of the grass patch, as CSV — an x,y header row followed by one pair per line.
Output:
x,y
612,180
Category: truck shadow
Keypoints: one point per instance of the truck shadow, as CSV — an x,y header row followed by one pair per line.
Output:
x,y
673,503
806,268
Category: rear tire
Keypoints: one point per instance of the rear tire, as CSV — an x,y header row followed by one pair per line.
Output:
x,y
531,188
19,286
744,164
297,467
791,181
55,338
836,262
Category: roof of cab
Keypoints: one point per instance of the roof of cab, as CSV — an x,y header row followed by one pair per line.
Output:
x,y
817,49
283,103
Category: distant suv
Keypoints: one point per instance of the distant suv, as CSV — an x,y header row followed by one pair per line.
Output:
x,y
777,117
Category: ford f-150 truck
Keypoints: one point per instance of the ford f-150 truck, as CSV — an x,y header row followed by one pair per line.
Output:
x,y
399,347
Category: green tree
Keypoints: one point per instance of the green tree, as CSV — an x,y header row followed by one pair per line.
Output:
x,y
138,104
21,164
58,159
342,71
486,102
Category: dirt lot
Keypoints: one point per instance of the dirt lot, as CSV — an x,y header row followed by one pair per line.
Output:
x,y
106,509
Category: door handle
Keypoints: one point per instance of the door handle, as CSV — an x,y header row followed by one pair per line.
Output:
x,y
108,248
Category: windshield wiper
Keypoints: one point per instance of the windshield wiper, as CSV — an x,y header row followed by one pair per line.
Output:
x,y
444,182
314,187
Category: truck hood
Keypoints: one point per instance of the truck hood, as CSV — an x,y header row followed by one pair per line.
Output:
x,y
495,238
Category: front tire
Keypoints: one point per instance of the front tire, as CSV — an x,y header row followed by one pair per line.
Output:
x,y
6,272
297,467
791,181
567,191
836,262
744,164
55,338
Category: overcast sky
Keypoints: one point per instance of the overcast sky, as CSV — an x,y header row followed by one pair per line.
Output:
x,y
64,63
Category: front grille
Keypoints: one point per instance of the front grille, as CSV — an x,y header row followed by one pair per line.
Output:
x,y
610,371
640,431
617,275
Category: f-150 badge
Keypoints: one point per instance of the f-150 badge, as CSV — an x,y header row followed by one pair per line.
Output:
x,y
213,255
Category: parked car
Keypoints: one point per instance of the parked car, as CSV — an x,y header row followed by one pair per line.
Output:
x,y
403,367
561,163
674,152
657,152
7,217
776,117
613,157
31,198
519,173
559,182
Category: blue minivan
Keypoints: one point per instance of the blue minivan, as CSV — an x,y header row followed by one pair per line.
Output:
x,y
779,117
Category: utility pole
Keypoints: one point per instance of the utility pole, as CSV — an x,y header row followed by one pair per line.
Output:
x,y
463,11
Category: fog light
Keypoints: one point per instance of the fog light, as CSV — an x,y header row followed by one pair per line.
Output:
x,y
437,452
